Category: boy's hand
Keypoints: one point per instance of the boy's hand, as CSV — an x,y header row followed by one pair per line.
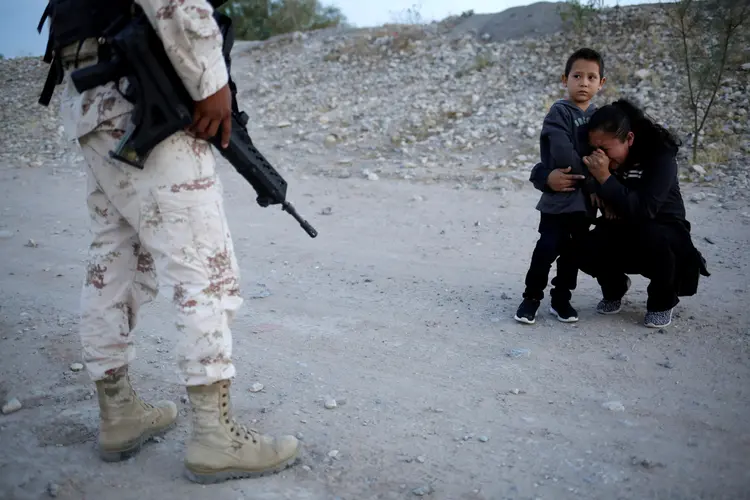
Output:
x,y
560,180
609,214
596,202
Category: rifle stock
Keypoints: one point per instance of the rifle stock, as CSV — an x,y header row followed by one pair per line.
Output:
x,y
162,106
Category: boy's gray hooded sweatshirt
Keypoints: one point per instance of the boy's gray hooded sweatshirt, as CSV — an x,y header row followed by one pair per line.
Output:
x,y
563,142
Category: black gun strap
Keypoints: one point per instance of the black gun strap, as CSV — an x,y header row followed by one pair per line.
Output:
x,y
233,89
54,77
45,15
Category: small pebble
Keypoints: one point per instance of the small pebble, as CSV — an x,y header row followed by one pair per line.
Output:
x,y
620,357
330,404
53,490
422,490
333,454
13,405
421,459
645,463
614,406
76,367
256,387
483,439
518,353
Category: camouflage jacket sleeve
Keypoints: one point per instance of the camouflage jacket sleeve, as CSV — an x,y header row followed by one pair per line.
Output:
x,y
192,41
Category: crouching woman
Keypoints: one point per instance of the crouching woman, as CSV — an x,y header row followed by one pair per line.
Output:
x,y
645,231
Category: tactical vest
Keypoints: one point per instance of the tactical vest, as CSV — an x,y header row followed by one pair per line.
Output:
x,y
74,21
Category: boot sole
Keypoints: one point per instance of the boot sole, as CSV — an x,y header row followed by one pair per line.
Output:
x,y
133,448
213,477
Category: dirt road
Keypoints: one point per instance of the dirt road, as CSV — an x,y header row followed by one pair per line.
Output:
x,y
401,310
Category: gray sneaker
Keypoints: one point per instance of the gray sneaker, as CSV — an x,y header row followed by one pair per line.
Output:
x,y
658,319
611,306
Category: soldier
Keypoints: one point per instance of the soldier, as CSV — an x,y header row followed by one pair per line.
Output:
x,y
166,221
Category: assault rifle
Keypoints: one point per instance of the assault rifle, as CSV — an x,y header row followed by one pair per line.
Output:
x,y
162,106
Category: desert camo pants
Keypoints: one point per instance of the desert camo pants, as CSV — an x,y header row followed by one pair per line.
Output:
x,y
162,228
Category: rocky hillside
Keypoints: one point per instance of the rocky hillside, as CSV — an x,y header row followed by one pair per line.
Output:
x,y
456,100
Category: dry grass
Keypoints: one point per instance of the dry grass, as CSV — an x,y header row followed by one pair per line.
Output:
x,y
381,42
480,63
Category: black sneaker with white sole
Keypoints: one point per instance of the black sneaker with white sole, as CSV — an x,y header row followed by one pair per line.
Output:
x,y
658,319
564,311
526,312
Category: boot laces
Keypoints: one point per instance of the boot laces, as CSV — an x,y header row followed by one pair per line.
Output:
x,y
241,430
235,427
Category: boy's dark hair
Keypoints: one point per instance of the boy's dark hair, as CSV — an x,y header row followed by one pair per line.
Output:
x,y
587,55
622,117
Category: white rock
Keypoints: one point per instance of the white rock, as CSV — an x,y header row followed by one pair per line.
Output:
x,y
698,169
11,406
371,176
256,387
76,367
613,406
330,404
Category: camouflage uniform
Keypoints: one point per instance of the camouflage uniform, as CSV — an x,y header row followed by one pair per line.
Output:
x,y
164,228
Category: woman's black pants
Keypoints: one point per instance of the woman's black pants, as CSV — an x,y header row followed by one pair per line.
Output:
x,y
614,249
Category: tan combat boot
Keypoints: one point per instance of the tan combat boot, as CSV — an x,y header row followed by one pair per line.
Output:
x,y
222,449
126,421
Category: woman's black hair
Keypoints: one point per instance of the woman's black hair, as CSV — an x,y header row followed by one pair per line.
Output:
x,y
622,117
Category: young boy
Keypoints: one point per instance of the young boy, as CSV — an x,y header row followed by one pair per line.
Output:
x,y
564,214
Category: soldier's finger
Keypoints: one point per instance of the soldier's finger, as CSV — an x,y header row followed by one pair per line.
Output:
x,y
226,130
201,128
212,129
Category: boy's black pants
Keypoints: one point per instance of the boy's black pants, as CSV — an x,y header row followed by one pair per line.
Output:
x,y
649,248
558,236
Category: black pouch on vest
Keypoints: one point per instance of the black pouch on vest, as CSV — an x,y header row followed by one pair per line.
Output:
x,y
72,22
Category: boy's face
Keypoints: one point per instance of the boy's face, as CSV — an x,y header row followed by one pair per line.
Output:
x,y
583,81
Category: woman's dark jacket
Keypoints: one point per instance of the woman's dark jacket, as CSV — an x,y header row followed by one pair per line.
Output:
x,y
646,190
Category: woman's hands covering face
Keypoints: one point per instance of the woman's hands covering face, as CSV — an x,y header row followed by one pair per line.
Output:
x,y
598,165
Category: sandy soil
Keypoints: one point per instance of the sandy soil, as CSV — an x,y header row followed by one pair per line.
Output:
x,y
402,311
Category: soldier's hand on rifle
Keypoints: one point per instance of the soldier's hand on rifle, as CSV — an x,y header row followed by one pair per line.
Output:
x,y
212,112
